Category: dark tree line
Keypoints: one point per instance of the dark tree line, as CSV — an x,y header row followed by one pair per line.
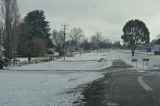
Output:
x,y
104,44
77,41
28,37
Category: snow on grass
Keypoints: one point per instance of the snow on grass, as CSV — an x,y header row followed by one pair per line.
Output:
x,y
44,88
61,66
86,56
53,83
154,60
88,61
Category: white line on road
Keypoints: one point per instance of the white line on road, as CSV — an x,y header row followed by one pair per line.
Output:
x,y
143,84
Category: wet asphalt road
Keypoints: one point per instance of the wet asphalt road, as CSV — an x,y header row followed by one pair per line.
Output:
x,y
123,86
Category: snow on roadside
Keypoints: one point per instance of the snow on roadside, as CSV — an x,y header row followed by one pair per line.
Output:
x,y
89,61
154,60
45,84
54,87
43,88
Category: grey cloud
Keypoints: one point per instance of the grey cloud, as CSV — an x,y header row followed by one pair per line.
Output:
x,y
106,16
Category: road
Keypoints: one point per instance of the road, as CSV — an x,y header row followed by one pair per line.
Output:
x,y
124,86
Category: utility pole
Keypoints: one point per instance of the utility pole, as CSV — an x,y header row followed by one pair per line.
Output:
x,y
64,30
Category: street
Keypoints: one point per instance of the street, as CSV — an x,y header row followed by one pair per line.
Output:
x,y
124,86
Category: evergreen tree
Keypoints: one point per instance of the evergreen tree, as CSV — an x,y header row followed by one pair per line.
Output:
x,y
37,34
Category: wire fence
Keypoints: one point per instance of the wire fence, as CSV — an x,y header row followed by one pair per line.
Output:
x,y
17,62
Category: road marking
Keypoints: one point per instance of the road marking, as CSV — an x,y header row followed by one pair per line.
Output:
x,y
143,84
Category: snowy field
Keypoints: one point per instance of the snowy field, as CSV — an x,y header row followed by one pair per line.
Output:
x,y
60,83
56,83
44,88
87,61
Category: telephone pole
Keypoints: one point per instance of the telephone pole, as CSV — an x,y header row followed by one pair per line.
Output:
x,y
64,30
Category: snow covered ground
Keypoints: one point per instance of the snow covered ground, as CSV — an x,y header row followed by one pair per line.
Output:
x,y
154,60
60,83
87,61
57,83
44,88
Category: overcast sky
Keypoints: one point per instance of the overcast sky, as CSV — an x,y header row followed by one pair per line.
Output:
x,y
106,16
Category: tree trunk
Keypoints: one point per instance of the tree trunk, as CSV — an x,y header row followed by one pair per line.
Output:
x,y
133,52
29,55
29,58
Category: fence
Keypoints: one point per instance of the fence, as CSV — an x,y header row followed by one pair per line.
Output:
x,y
32,61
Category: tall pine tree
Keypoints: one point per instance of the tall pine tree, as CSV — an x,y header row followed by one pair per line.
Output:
x,y
37,32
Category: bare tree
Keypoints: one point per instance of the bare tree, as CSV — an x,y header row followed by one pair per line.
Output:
x,y
58,41
10,19
96,39
76,35
58,37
